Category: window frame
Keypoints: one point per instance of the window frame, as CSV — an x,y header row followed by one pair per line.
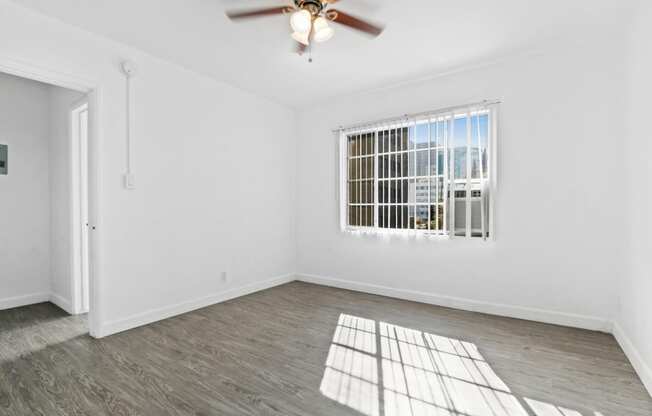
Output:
x,y
487,180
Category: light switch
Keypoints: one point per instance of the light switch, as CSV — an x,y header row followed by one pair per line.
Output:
x,y
130,181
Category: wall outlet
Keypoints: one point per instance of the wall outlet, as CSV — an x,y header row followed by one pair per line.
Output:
x,y
224,277
4,163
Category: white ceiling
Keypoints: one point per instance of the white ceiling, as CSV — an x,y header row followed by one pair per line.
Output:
x,y
422,38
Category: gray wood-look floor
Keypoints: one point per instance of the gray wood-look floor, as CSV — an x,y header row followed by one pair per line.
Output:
x,y
265,354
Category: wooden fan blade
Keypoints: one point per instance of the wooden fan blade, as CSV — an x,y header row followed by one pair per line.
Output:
x,y
355,23
245,14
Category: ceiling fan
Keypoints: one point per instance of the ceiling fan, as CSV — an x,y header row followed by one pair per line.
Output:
x,y
309,20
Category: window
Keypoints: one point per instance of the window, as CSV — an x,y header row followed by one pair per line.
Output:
x,y
430,174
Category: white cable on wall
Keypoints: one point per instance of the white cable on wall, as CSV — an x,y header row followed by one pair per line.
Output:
x,y
129,70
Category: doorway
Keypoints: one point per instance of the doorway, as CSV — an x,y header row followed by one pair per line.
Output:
x,y
74,275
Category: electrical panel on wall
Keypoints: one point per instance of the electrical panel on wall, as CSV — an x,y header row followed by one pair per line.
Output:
x,y
4,154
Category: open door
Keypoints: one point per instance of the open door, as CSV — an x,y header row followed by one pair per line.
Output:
x,y
80,220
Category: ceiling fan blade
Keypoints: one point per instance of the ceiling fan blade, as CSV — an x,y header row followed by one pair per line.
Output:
x,y
246,14
329,1
354,22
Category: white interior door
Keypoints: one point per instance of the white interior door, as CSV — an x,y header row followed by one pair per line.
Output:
x,y
83,121
79,136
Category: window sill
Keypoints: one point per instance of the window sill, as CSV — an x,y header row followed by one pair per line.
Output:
x,y
408,234
397,233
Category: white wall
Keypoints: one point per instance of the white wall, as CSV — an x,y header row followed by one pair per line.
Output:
x,y
24,193
634,328
559,233
214,169
61,269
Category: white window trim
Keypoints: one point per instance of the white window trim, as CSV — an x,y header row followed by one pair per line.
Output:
x,y
491,107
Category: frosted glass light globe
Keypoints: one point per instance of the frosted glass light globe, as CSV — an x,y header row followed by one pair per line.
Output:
x,y
301,38
322,31
301,21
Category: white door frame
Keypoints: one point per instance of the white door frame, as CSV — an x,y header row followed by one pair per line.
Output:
x,y
93,91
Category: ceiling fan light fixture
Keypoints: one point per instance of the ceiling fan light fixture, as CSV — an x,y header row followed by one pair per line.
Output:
x,y
301,21
301,38
322,31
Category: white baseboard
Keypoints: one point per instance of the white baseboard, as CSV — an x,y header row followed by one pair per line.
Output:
x,y
14,302
642,369
520,312
158,314
62,302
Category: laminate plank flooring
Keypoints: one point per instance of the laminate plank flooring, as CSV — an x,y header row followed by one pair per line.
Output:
x,y
303,349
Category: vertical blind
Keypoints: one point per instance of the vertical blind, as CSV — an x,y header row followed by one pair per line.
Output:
x,y
431,173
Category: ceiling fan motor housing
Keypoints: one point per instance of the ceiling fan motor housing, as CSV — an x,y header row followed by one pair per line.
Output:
x,y
313,6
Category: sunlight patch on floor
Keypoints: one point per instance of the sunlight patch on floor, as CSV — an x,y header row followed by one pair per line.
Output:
x,y
547,409
377,368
